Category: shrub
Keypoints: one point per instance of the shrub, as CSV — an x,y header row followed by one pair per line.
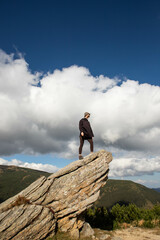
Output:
x,y
156,211
148,224
105,219
126,213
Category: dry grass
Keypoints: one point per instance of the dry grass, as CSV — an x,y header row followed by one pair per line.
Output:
x,y
20,201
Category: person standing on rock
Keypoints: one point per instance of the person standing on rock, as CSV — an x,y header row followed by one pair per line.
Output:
x,y
86,133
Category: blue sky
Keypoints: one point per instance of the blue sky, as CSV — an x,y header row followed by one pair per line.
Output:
x,y
109,37
116,39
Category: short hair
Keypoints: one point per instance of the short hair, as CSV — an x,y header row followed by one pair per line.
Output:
x,y
86,113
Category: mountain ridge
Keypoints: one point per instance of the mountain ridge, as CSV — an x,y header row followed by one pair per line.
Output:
x,y
156,189
25,176
13,179
125,192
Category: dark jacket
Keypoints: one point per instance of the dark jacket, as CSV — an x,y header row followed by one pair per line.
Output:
x,y
84,126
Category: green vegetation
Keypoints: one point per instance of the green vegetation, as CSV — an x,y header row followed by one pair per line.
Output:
x,y
131,214
118,217
126,192
15,179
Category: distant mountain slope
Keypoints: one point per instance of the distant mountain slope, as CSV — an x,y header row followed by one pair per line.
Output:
x,y
122,191
14,179
156,189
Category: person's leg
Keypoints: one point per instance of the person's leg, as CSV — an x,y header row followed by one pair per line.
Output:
x,y
81,145
91,144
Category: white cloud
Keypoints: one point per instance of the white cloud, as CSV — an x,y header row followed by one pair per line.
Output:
x,y
124,167
125,115
37,166
44,119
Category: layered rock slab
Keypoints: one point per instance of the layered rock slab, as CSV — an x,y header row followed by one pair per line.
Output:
x,y
55,202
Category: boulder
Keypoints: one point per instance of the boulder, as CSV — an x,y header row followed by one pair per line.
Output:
x,y
86,231
57,202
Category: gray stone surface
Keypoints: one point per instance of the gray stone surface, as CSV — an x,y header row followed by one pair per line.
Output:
x,y
56,201
86,231
116,238
104,237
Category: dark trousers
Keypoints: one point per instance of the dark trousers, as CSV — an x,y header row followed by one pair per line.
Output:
x,y
82,142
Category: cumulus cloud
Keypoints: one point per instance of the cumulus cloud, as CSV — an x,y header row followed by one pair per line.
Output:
x,y
125,115
44,119
37,166
124,167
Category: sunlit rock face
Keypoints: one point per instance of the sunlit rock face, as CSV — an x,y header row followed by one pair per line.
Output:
x,y
57,202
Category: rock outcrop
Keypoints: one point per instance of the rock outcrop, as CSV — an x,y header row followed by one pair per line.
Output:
x,y
57,202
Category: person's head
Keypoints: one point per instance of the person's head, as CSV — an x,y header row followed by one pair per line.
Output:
x,y
86,114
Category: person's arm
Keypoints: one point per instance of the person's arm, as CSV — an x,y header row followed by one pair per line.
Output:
x,y
81,127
